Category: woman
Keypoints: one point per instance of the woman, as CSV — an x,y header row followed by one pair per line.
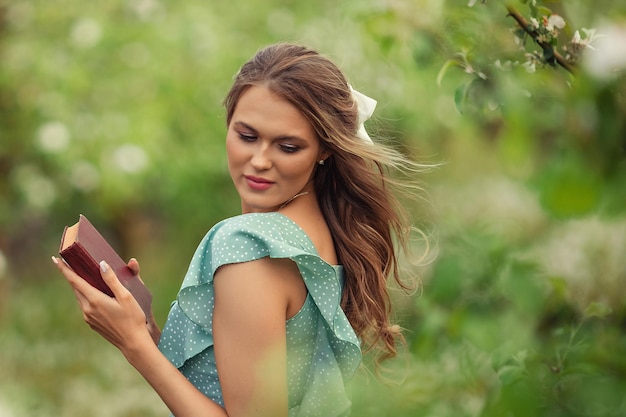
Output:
x,y
276,302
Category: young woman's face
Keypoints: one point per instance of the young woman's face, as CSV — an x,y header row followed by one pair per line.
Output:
x,y
272,150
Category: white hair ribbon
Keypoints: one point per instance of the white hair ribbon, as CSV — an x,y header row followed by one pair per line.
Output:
x,y
365,106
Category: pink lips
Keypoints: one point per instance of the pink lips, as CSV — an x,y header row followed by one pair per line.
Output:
x,y
257,183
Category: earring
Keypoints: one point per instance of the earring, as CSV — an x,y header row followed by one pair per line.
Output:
x,y
321,162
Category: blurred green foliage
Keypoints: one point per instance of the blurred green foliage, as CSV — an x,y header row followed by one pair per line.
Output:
x,y
113,109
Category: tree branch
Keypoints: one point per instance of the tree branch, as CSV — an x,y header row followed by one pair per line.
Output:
x,y
533,34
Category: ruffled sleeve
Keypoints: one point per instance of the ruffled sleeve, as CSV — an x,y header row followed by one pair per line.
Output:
x,y
249,237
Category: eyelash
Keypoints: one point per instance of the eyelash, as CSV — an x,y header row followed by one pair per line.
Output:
x,y
247,138
289,148
283,147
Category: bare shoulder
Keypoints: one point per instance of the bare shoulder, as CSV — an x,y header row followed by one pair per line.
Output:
x,y
315,226
264,283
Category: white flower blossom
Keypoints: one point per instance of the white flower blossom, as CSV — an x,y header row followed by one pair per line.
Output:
x,y
607,58
502,67
590,36
555,21
534,23
530,66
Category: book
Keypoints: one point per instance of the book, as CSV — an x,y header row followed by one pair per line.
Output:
x,y
83,247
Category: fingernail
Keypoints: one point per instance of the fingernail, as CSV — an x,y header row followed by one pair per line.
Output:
x,y
55,260
104,267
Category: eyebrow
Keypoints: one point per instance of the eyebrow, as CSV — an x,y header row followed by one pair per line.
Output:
x,y
245,125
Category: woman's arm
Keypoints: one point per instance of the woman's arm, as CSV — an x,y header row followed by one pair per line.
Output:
x,y
121,321
252,302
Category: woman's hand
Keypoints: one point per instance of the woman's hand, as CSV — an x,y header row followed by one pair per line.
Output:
x,y
122,322
153,327
119,320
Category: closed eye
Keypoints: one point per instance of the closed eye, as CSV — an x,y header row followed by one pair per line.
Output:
x,y
247,137
289,148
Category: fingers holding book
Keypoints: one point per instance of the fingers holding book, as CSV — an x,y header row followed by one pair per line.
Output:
x,y
82,247
133,265
81,287
86,293
111,280
118,319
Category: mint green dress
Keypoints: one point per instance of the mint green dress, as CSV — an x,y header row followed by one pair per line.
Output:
x,y
323,352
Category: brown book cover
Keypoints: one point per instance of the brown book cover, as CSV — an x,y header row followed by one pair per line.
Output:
x,y
83,247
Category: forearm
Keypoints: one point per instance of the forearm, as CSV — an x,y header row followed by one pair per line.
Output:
x,y
179,395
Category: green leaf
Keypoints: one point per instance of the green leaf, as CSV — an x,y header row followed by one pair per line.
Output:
x,y
544,10
444,69
597,309
460,95
534,12
510,374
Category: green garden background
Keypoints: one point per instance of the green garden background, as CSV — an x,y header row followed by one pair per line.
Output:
x,y
113,109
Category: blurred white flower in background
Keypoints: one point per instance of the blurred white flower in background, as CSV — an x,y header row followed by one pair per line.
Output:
x,y
147,9
53,137
86,33
500,206
530,66
84,176
607,58
588,254
38,190
130,158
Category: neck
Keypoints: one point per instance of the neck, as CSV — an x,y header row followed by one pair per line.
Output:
x,y
292,198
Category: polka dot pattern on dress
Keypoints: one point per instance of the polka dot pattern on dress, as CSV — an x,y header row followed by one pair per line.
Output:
x,y
323,351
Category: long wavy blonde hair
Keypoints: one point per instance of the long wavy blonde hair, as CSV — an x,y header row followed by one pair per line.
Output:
x,y
355,192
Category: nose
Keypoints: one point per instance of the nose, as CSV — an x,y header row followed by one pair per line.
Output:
x,y
260,158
